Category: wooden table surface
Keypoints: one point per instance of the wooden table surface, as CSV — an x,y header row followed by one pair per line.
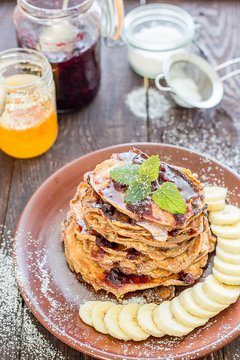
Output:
x,y
108,120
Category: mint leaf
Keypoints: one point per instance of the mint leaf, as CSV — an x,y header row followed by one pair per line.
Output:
x,y
150,168
125,174
137,191
169,198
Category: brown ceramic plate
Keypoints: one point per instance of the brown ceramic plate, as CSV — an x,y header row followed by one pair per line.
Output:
x,y
53,293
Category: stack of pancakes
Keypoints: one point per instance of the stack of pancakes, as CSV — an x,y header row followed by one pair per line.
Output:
x,y
120,247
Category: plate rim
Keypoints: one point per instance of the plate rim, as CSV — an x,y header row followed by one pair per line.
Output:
x,y
91,351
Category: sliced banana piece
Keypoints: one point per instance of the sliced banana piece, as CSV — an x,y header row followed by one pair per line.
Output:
x,y
192,307
85,311
166,322
228,231
98,313
227,257
226,268
215,193
145,320
219,292
204,301
128,322
216,205
183,316
228,216
226,279
230,245
111,321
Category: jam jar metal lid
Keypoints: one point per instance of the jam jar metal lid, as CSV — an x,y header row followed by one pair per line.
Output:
x,y
166,16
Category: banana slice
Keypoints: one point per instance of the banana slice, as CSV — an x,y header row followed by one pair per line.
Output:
x,y
219,292
228,216
230,245
128,322
145,320
111,321
183,316
226,279
215,193
226,268
98,313
227,257
85,311
227,232
167,323
216,205
204,301
192,307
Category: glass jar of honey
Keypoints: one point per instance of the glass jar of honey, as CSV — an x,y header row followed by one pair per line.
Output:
x,y
28,119
68,33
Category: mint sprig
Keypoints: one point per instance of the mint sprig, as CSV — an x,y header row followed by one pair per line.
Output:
x,y
125,174
138,191
169,198
139,179
150,168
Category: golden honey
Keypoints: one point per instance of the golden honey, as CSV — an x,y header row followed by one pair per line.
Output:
x,y
28,125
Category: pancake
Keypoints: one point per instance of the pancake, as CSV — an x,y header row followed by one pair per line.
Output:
x,y
147,210
112,280
115,226
123,248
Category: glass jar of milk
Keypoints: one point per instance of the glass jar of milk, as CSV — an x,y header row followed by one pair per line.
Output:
x,y
154,32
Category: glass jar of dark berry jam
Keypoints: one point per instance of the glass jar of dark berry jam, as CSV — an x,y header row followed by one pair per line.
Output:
x,y
68,33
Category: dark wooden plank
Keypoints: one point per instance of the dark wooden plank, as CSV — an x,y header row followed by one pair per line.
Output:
x,y
6,163
10,300
232,351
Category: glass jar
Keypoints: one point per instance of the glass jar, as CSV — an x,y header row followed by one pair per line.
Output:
x,y
154,32
28,119
68,33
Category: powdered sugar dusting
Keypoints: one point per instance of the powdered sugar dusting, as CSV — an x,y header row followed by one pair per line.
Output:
x,y
10,304
13,337
207,135
35,342
158,104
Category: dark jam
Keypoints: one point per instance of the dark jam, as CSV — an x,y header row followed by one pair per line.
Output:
x,y
118,186
77,79
141,208
174,232
107,208
179,218
186,278
117,278
76,67
132,254
101,242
